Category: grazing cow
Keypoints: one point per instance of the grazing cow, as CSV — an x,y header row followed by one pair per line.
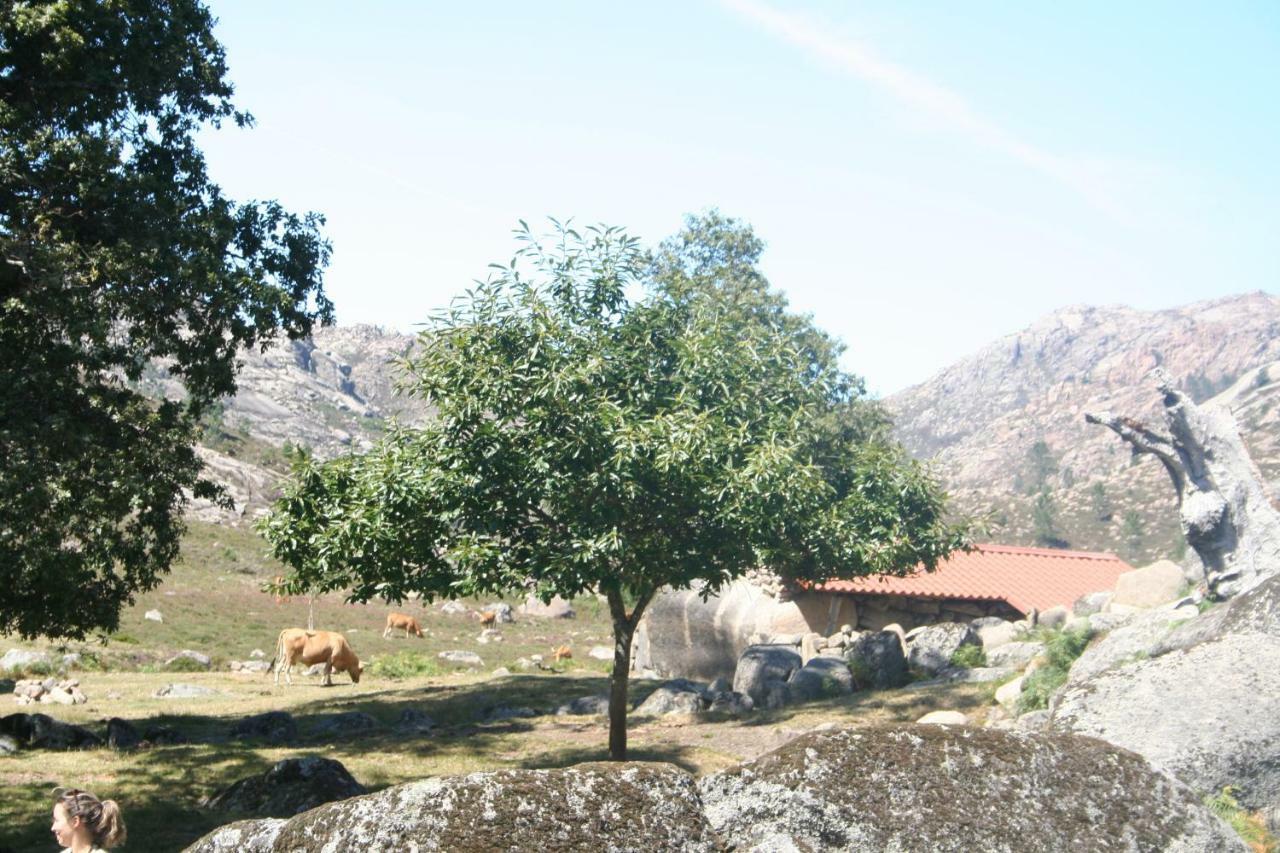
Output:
x,y
298,645
561,652
488,618
402,620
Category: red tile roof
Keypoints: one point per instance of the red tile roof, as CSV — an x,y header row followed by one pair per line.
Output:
x,y
1024,577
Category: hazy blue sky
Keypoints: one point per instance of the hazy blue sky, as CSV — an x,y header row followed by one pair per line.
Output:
x,y
927,177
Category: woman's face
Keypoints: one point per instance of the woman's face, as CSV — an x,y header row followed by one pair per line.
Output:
x,y
63,827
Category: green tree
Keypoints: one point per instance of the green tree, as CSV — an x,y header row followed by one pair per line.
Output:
x,y
117,251
1044,521
1132,530
590,438
1101,502
1041,465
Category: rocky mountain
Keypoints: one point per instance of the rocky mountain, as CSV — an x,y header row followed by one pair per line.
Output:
x,y
1006,426
330,394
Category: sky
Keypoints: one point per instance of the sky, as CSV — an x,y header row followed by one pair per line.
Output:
x,y
926,177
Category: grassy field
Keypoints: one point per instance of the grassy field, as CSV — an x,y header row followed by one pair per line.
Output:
x,y
213,603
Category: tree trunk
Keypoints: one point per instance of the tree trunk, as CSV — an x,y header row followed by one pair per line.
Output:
x,y
1222,502
311,612
624,629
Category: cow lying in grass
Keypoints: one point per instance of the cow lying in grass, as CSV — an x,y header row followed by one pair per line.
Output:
x,y
298,645
396,621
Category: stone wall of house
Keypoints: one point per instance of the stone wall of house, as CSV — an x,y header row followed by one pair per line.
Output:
x,y
685,635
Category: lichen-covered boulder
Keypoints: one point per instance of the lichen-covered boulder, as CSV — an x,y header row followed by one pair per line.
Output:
x,y
1199,701
290,787
677,696
761,668
943,788
244,836
929,648
606,806
878,660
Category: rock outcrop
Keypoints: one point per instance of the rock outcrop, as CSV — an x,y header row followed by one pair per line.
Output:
x,y
1198,698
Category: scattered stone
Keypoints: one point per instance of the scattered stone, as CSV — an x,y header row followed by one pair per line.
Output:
x,y
184,691
200,658
673,697
1055,617
1091,603
1014,654
930,647
598,704
23,659
272,726
501,612
503,712
501,672
49,690
348,723
935,788
153,616
878,660
944,718
461,658
452,607
251,666
257,654
760,667
414,721
291,787
600,653
556,608
1007,695
820,678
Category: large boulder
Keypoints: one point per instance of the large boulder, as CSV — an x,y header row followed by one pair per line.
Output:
x,y
290,787
683,634
24,659
761,668
1199,700
1149,586
617,807
556,608
929,648
820,678
878,660
943,788
40,731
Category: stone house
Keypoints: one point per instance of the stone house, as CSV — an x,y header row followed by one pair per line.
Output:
x,y
686,635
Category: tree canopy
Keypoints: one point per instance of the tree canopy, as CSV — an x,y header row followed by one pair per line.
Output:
x,y
614,420
117,252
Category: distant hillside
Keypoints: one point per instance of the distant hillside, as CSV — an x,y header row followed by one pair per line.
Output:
x,y
329,394
1007,423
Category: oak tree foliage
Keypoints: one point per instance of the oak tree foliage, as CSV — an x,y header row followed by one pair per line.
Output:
x,y
612,419
117,252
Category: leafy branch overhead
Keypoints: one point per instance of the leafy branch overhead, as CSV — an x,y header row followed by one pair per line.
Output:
x,y
612,419
117,251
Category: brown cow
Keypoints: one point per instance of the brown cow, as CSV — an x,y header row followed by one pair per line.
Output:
x,y
561,653
298,645
488,618
402,620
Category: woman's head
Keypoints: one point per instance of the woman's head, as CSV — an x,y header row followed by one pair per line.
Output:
x,y
79,815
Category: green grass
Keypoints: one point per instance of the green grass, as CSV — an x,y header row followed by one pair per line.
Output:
x,y
1061,650
404,665
969,657
1251,828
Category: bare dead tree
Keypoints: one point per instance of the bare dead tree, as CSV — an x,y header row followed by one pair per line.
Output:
x,y
1222,501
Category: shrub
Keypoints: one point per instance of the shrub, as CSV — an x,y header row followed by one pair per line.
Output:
x,y
968,657
1251,828
404,665
1061,648
121,637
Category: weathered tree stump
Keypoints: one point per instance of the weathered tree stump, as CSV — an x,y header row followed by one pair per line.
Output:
x,y
1222,501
